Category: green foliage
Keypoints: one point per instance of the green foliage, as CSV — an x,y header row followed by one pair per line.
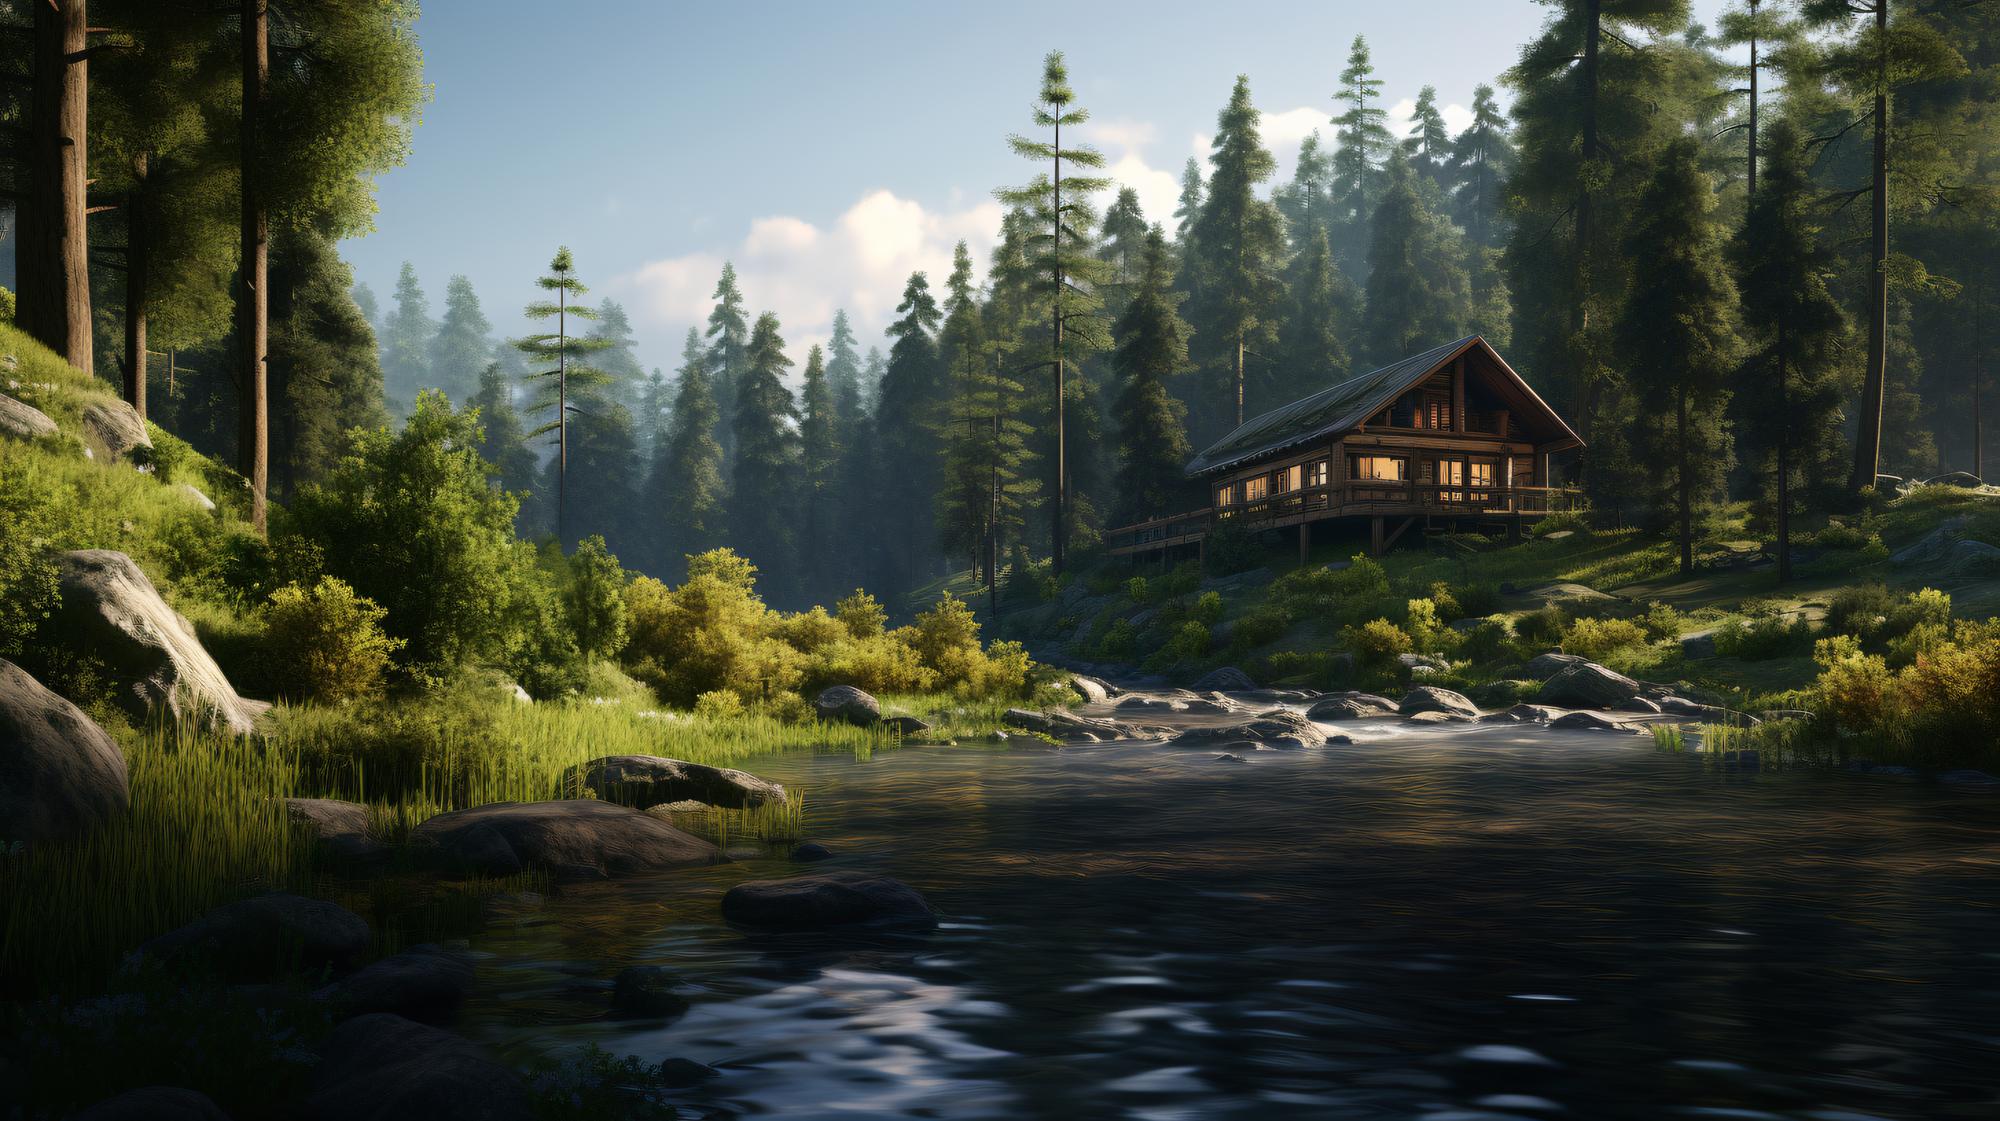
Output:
x,y
28,519
1260,627
1232,548
1152,424
1376,644
1543,627
592,1083
1190,642
1763,638
1207,609
861,615
325,643
1596,639
592,599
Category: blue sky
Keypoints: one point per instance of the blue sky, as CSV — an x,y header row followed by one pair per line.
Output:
x,y
831,148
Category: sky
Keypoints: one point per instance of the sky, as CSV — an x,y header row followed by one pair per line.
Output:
x,y
827,149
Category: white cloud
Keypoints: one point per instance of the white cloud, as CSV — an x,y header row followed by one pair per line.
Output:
x,y
804,272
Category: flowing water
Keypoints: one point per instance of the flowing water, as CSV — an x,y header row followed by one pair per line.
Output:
x,y
1441,923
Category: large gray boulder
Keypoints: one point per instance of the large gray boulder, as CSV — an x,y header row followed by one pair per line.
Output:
x,y
577,839
60,774
1069,726
645,781
425,983
112,611
115,428
1430,698
264,938
382,1067
23,421
341,828
1351,706
1280,727
1585,722
1092,690
846,704
1227,679
822,901
1524,714
1541,667
155,1103
1588,685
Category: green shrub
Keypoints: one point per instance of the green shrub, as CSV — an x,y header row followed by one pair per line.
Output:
x,y
1118,643
1477,600
326,643
1232,548
1445,603
1763,638
593,599
1661,621
718,704
1261,627
1181,580
1207,609
1543,627
1486,642
861,615
1136,590
1376,644
1189,642
1859,610
1597,638
28,586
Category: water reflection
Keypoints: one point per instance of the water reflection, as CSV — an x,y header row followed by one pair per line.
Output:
x,y
1439,923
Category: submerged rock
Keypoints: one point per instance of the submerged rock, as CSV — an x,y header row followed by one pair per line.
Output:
x,y
1140,703
1430,698
848,705
1227,679
1069,726
906,726
823,901
1280,727
155,1103
1351,706
60,774
574,839
1092,690
387,1068
264,938
647,992
112,611
1588,685
811,852
426,983
645,781
1586,722
680,1074
1523,714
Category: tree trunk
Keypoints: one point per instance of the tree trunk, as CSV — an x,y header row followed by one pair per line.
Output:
x,y
1750,181
1784,465
54,259
1239,379
1685,484
562,413
138,246
252,311
1868,438
1059,530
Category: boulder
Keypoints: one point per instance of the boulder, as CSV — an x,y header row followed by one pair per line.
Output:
x,y
386,1068
1964,480
811,852
154,1103
193,494
1351,706
341,827
848,705
1068,725
60,774
1641,704
1228,757
1541,667
1430,698
1202,706
1280,727
264,938
1228,679
23,421
426,983
647,992
1933,547
1138,702
1523,714
1588,685
112,611
114,427
1973,559
574,839
645,781
1439,716
680,1074
905,726
822,901
1418,663
1585,722
1092,690
1567,594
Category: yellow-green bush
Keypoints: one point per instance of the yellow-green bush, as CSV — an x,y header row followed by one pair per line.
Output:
x,y
1598,638
326,643
1376,644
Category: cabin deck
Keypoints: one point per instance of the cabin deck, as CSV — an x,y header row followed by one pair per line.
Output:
x,y
1383,500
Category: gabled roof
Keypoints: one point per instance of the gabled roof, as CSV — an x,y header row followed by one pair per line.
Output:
x,y
1344,406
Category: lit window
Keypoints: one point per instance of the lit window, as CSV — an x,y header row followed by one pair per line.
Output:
x,y
1256,488
1316,473
1288,479
1387,467
1223,495
1482,473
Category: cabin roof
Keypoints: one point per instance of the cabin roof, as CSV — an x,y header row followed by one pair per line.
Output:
x,y
1346,405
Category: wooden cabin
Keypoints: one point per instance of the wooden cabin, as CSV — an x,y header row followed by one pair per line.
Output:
x,y
1449,437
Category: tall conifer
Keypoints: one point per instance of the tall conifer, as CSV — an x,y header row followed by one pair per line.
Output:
x,y
1152,424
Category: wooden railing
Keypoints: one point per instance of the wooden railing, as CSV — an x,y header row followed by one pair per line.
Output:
x,y
1358,496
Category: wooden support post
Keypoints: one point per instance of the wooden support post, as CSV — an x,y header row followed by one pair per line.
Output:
x,y
1305,542
1375,535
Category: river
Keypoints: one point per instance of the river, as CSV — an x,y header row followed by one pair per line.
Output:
x,y
1448,923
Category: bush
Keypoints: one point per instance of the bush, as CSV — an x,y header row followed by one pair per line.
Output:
x,y
1486,642
1182,579
1477,600
1118,642
1207,609
1426,627
1375,645
1542,627
593,599
1260,627
541,651
718,704
1859,610
861,615
1232,548
1445,602
28,585
1136,590
325,642
1189,642
1763,638
1325,592
1855,687
1661,621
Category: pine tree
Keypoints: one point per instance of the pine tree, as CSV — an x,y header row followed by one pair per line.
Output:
x,y
1762,26
325,378
560,353
843,375
502,443
618,359
406,339
766,470
458,352
1062,216
1481,158
1417,287
1362,133
1305,201
656,406
364,299
1490,310
912,390
1188,207
1319,308
1790,390
684,490
1428,146
728,349
1676,337
604,451
1232,269
1121,245
961,499
1152,424
819,467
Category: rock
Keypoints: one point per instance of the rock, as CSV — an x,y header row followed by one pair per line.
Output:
x,y
1228,679
426,983
341,827
1933,547
154,1103
1202,706
645,781
848,705
575,839
1963,479
1588,685
1567,593
1141,703
1430,698
906,726
385,1068
647,992
1523,714
1976,780
1092,690
1240,581
193,494
1228,757
1068,725
1418,663
1585,722
60,774
811,852
1340,740
1280,727
264,938
23,421
822,901
1438,716
1973,559
114,427
1640,704
680,1074
1699,644
112,611
1351,706
1541,667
